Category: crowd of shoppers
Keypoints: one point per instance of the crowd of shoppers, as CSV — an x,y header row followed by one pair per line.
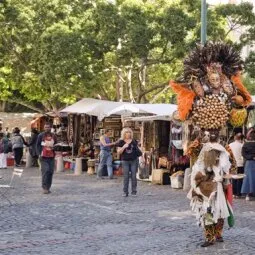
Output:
x,y
244,154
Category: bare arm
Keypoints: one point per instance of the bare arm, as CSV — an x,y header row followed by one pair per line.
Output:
x,y
102,141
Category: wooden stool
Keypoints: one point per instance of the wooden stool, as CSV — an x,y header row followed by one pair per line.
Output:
x,y
157,175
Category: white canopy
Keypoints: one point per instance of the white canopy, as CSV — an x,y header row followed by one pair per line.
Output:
x,y
104,108
149,118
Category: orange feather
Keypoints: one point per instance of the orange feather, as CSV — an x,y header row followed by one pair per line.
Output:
x,y
185,99
236,79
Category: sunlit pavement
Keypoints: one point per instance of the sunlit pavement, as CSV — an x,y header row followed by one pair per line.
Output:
x,y
85,216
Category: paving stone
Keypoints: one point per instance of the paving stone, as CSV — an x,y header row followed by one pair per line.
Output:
x,y
86,216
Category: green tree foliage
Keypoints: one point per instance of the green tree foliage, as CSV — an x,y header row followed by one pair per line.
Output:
x,y
53,52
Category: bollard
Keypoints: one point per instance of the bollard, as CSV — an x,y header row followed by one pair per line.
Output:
x,y
60,164
28,160
78,166
91,166
187,176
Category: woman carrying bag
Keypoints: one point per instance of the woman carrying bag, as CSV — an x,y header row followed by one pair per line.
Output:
x,y
129,151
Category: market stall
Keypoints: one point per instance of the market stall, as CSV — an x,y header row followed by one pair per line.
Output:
x,y
156,142
101,115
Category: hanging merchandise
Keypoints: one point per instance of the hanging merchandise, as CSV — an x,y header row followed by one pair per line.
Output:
x,y
251,119
177,136
238,117
210,95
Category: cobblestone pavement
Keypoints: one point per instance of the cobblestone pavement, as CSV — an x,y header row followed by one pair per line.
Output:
x,y
86,216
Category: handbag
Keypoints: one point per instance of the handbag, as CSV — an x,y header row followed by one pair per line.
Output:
x,y
138,152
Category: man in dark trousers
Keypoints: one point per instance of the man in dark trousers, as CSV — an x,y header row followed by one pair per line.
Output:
x,y
32,147
45,150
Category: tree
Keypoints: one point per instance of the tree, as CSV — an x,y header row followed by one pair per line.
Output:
x,y
54,52
46,56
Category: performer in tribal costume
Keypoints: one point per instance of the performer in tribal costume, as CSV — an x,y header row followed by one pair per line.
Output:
x,y
210,94
207,192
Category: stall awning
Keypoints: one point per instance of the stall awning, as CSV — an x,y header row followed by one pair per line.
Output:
x,y
104,108
149,118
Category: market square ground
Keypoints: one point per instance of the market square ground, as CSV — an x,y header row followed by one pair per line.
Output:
x,y
86,216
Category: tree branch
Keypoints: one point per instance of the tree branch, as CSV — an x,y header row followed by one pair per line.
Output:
x,y
18,101
158,94
160,86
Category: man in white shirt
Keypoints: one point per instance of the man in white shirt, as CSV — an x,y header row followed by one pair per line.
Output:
x,y
236,148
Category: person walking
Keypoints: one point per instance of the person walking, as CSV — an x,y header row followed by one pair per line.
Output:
x,y
248,152
236,148
105,155
129,151
3,151
32,147
45,150
18,142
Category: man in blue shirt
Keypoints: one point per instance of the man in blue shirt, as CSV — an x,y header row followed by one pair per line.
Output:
x,y
105,155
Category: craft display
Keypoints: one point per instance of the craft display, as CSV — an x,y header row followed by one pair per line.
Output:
x,y
211,94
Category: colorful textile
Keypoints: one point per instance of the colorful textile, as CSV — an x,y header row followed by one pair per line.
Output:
x,y
214,231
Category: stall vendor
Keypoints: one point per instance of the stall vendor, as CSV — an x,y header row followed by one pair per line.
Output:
x,y
85,150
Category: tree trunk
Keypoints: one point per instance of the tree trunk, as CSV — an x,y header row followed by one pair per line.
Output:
x,y
142,80
2,106
129,84
142,74
120,85
118,92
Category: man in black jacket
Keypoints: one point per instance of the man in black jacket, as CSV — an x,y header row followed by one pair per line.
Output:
x,y
45,150
32,147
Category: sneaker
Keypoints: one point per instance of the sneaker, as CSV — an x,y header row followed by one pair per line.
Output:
x,y
134,194
247,198
125,194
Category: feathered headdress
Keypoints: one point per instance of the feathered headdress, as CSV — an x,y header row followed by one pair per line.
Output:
x,y
219,56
